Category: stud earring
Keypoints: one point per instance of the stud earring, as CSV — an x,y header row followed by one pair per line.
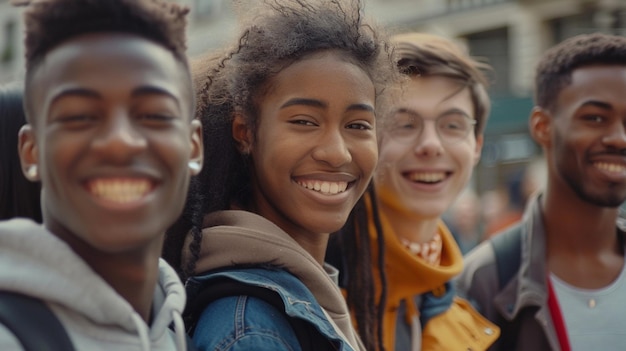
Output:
x,y
245,150
32,172
195,167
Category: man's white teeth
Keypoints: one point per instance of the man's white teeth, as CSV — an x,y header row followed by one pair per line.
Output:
x,y
120,191
611,167
430,177
329,188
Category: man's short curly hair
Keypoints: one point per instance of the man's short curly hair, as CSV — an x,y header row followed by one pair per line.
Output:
x,y
554,70
51,22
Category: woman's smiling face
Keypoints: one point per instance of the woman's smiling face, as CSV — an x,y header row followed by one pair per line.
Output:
x,y
315,147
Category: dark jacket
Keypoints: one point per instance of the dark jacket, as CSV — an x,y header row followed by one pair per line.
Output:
x,y
520,308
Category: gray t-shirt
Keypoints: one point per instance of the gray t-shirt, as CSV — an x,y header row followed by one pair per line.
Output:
x,y
594,319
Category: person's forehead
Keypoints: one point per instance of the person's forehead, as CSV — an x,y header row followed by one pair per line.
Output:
x,y
593,72
593,81
112,58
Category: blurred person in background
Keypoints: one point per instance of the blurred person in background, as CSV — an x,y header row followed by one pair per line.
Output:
x,y
19,196
464,219
519,189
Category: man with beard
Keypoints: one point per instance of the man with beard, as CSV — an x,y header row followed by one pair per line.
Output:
x,y
556,280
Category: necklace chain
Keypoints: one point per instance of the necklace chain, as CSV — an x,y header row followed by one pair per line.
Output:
x,y
429,251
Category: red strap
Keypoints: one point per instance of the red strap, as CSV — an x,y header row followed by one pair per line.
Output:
x,y
557,318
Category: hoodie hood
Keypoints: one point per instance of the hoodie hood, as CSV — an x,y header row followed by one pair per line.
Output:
x,y
36,263
244,238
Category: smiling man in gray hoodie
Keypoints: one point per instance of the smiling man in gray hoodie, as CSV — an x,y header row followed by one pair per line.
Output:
x,y
111,137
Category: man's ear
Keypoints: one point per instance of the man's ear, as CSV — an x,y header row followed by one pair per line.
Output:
x,y
196,158
242,134
540,125
479,147
29,156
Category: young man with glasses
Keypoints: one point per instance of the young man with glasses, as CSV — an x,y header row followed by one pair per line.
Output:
x,y
429,146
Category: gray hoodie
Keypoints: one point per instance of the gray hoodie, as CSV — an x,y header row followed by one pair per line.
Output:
x,y
36,263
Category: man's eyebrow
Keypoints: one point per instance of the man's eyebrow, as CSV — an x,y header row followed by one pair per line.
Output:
x,y
82,92
455,110
407,111
596,103
152,90
89,93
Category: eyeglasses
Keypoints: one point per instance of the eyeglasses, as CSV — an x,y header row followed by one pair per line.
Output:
x,y
452,127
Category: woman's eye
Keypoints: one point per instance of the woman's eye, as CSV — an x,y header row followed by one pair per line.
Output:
x,y
359,126
302,122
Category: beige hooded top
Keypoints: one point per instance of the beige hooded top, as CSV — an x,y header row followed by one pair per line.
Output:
x,y
244,238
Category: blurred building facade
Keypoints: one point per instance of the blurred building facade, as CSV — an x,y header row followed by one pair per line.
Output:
x,y
11,48
509,34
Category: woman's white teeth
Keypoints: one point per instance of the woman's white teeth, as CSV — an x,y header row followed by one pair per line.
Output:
x,y
330,188
120,191
430,177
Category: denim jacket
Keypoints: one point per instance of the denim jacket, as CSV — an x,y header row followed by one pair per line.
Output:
x,y
249,323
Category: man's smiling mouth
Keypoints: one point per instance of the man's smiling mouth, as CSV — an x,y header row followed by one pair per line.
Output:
x,y
426,177
119,190
611,167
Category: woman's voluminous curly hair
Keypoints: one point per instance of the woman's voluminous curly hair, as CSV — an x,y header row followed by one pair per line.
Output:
x,y
236,79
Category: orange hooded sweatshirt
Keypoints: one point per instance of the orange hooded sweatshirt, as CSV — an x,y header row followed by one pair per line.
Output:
x,y
459,327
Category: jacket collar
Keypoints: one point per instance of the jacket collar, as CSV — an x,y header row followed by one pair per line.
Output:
x,y
528,287
241,238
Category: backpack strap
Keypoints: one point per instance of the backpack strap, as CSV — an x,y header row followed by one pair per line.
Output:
x,y
190,345
308,338
507,247
33,323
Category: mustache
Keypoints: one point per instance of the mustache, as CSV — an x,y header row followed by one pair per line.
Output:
x,y
611,151
620,152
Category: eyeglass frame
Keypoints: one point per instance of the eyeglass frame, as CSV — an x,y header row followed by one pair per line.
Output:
x,y
413,136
